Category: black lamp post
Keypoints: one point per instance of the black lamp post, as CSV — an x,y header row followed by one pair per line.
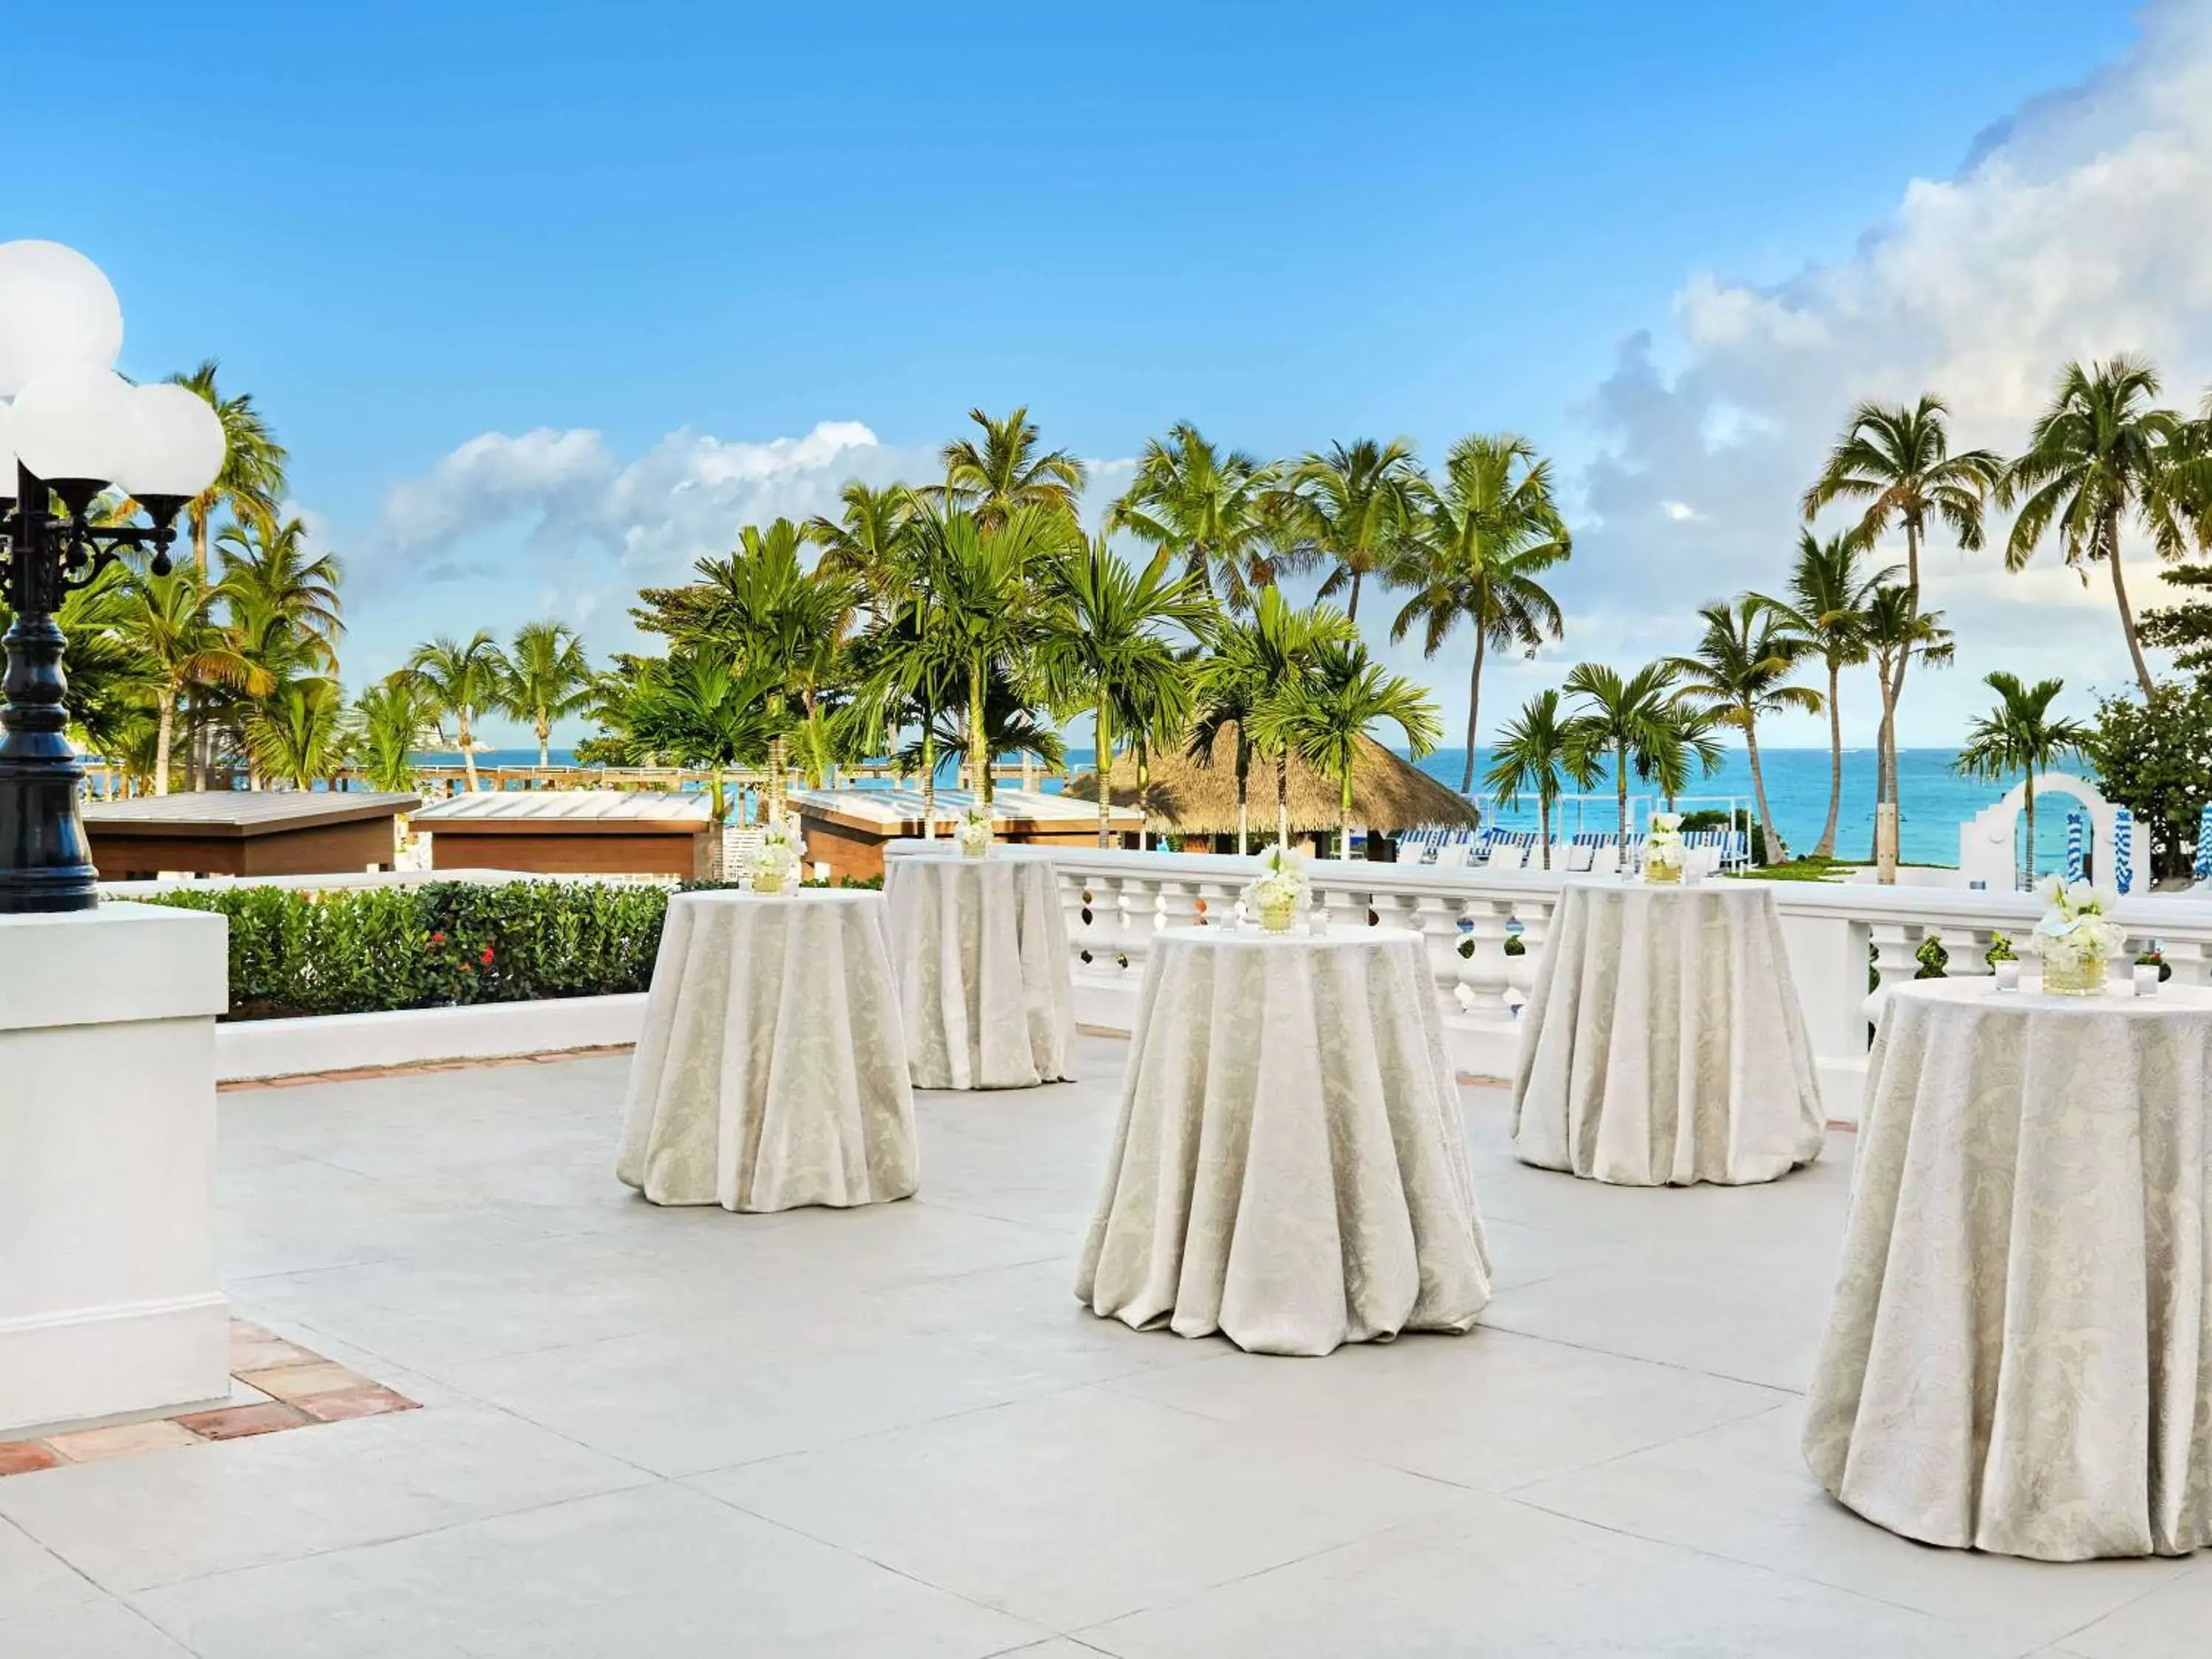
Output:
x,y
45,862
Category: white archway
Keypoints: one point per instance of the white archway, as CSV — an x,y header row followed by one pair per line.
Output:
x,y
1988,840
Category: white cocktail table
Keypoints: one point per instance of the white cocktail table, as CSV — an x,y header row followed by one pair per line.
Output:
x,y
2018,1358
981,950
1663,1043
1290,1168
772,1071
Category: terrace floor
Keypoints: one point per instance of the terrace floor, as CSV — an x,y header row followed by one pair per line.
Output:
x,y
894,1432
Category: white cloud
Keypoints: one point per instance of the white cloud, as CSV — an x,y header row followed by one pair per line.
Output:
x,y
2076,230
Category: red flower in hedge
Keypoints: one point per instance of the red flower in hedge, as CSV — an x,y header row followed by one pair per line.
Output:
x,y
437,938
486,958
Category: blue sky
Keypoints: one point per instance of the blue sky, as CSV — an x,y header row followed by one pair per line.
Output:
x,y
446,221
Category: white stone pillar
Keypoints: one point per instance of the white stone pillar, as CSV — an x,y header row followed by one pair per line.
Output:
x,y
109,1302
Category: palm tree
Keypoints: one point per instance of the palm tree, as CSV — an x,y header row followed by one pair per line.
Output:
x,y
1251,658
1897,629
1631,721
272,582
760,609
1827,608
299,732
170,626
1350,509
1323,714
395,717
548,679
1899,462
1541,750
1692,735
1005,472
2097,457
252,481
694,708
863,543
1104,648
2019,735
1212,508
992,583
463,681
1476,553
1742,670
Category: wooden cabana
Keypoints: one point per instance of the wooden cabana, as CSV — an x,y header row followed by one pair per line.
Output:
x,y
1184,796
572,832
222,832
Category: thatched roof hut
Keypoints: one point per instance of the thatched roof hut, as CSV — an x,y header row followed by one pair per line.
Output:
x,y
1185,797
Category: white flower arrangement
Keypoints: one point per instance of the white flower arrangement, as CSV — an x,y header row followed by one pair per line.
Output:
x,y
1281,890
2074,938
1664,856
974,834
778,859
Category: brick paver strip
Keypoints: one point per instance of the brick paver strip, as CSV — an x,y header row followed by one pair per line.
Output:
x,y
368,1400
123,1440
22,1456
296,1382
236,1422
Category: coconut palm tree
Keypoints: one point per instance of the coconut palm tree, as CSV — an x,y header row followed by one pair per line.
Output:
x,y
1475,553
273,583
1899,462
301,733
695,707
1539,750
1692,738
394,718
2019,735
548,679
1323,713
1630,721
1105,648
462,680
1740,670
863,541
1827,608
1216,510
252,480
1350,510
1003,472
2096,458
1897,630
169,623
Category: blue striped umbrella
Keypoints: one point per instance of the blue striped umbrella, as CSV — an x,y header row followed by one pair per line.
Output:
x,y
2123,864
2074,833
2202,868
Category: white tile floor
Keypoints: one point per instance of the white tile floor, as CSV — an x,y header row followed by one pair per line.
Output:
x,y
893,1431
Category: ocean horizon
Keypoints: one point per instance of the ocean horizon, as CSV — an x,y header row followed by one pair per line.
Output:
x,y
1935,800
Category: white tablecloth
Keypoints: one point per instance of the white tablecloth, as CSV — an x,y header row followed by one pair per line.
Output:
x,y
1664,1043
982,951
1290,1167
2018,1356
771,1071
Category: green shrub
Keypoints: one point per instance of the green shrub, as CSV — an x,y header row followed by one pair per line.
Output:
x,y
443,944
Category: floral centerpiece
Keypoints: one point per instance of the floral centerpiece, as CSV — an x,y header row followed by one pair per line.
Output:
x,y
1664,854
1280,892
973,835
775,863
2074,938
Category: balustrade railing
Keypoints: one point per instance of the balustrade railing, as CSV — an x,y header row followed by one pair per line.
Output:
x,y
1484,931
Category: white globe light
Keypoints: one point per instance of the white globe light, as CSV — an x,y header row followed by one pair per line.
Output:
x,y
177,444
7,452
57,313
75,425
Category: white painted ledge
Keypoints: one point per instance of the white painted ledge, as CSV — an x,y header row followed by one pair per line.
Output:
x,y
247,1050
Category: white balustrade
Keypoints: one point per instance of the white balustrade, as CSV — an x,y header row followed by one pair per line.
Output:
x,y
1835,932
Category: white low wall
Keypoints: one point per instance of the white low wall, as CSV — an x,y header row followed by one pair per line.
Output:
x,y
254,1048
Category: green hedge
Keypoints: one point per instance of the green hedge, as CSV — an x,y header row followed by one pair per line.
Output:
x,y
443,944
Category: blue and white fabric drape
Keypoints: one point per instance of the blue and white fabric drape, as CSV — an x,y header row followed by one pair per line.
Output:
x,y
2124,865
2202,868
2073,835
